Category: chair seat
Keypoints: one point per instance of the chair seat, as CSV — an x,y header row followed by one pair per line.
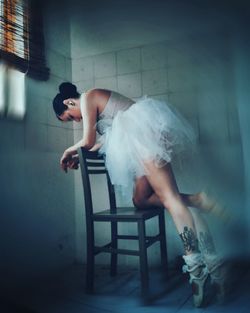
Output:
x,y
127,213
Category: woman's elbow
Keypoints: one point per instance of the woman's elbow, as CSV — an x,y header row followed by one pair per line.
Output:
x,y
88,145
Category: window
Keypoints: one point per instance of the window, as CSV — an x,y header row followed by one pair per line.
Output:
x,y
12,92
13,45
14,32
21,52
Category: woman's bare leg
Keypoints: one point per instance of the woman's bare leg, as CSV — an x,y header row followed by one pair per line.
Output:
x,y
215,262
162,181
145,197
206,242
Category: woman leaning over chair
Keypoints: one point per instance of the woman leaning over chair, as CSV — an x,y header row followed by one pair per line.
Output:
x,y
140,139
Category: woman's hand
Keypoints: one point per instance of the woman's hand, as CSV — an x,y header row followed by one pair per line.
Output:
x,y
66,157
70,157
73,164
69,160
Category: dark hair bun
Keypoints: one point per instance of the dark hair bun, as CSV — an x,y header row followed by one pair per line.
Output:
x,y
68,90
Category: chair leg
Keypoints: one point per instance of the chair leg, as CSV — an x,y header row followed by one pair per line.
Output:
x,y
163,242
113,265
143,260
90,261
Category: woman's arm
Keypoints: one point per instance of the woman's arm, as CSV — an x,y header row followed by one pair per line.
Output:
x,y
79,144
89,115
73,162
96,147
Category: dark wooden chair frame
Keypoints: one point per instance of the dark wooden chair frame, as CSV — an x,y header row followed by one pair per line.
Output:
x,y
94,163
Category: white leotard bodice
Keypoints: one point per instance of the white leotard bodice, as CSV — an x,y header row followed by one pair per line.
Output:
x,y
116,102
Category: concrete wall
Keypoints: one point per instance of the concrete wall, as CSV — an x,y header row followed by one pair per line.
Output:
x,y
37,198
179,52
242,78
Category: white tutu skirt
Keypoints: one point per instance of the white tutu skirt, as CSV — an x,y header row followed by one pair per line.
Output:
x,y
149,130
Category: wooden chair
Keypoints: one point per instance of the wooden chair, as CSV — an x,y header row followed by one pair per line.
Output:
x,y
93,163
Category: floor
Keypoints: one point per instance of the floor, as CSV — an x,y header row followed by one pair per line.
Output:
x,y
65,294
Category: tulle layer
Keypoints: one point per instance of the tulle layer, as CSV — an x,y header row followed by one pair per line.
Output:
x,y
149,130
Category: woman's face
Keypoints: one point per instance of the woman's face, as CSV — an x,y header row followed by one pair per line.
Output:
x,y
73,113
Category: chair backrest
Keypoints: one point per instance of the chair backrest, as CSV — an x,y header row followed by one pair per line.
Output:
x,y
91,162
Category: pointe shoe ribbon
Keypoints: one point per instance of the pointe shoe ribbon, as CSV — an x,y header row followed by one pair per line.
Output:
x,y
203,273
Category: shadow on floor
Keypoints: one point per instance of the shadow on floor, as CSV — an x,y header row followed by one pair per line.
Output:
x,y
65,293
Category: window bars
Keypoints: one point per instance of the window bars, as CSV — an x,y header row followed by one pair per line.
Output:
x,y
21,37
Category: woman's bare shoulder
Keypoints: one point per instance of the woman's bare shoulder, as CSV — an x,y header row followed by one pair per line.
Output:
x,y
97,95
98,91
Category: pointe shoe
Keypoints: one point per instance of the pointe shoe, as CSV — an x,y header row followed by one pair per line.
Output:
x,y
199,284
199,277
218,270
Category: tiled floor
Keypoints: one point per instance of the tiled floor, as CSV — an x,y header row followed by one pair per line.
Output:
x,y
65,294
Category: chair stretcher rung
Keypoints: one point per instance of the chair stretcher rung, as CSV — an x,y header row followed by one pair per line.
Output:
x,y
151,240
107,248
95,164
131,237
97,171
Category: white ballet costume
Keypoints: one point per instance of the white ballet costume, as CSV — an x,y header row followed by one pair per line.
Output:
x,y
136,131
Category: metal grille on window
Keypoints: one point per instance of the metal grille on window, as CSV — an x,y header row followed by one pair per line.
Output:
x,y
21,52
13,45
14,34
